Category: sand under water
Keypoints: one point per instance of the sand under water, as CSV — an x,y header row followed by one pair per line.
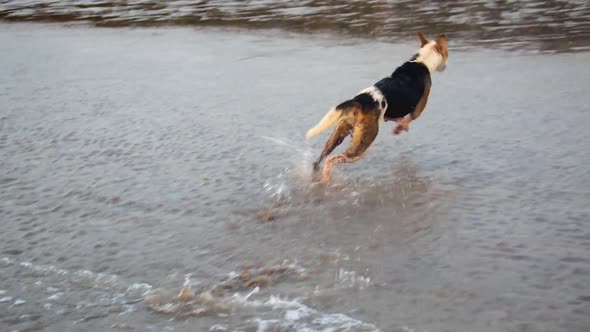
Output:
x,y
157,179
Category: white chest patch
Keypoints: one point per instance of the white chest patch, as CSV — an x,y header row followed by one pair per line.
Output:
x,y
377,97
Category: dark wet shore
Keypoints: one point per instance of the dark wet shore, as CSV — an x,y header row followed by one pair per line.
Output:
x,y
539,25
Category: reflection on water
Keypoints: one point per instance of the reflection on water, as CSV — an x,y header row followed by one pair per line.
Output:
x,y
557,25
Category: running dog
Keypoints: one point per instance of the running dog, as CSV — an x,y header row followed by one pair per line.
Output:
x,y
400,97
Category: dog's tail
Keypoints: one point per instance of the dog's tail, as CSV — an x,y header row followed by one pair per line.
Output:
x,y
329,119
326,122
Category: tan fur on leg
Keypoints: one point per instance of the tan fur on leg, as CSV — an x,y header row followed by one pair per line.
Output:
x,y
364,133
343,129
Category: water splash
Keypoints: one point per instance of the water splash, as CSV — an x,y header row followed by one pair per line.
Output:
x,y
124,292
291,183
299,317
351,279
249,289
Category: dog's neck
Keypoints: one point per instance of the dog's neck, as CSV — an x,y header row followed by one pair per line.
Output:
x,y
428,56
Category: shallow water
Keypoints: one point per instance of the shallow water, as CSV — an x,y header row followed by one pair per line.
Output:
x,y
136,161
540,25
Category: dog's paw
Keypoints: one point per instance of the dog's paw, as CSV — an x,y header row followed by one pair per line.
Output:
x,y
316,166
317,178
399,129
325,181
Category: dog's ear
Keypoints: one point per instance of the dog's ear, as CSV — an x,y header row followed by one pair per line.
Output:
x,y
441,45
423,39
442,41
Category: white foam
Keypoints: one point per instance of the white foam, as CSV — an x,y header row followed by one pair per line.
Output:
x,y
268,325
218,328
293,314
55,297
232,275
138,289
296,316
351,279
6,299
85,278
6,261
254,291
19,302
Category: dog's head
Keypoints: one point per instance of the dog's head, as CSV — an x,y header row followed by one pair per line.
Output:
x,y
439,46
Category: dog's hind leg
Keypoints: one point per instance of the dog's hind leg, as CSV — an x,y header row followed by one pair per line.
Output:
x,y
364,133
343,129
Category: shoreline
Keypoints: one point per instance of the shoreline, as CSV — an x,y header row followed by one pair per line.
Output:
x,y
329,37
543,26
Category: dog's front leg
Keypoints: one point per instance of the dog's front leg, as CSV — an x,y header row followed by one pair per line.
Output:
x,y
402,125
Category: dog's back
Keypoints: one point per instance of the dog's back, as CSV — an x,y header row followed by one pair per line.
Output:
x,y
404,88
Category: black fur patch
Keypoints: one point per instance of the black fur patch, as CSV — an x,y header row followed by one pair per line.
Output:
x,y
366,101
346,104
404,88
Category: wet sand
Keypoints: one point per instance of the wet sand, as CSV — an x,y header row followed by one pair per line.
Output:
x,y
135,161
